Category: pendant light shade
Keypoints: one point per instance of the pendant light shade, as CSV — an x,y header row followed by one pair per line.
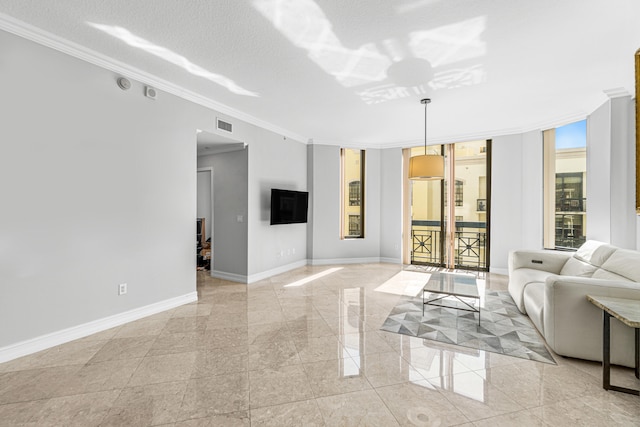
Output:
x,y
426,166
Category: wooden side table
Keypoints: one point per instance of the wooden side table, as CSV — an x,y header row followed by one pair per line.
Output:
x,y
628,312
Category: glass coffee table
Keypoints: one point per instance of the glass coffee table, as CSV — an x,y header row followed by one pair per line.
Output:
x,y
452,291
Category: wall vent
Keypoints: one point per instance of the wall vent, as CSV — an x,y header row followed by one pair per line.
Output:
x,y
227,127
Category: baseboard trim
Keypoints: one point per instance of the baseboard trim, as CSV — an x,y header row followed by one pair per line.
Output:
x,y
53,339
278,270
503,271
329,261
391,260
232,277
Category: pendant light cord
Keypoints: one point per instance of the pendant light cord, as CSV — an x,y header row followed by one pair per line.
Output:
x,y
425,128
425,102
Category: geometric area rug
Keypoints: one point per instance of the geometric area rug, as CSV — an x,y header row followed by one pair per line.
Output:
x,y
503,329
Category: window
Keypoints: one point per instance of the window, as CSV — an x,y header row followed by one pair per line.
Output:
x,y
459,192
429,235
354,225
565,181
352,193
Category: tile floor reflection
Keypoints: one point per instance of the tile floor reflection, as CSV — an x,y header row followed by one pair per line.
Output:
x,y
301,348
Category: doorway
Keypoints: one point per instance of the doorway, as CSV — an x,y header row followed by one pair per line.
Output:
x,y
447,222
204,217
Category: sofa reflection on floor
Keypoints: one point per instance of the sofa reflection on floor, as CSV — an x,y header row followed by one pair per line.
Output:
x,y
551,287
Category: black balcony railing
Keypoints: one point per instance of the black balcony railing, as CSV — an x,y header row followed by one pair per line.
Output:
x,y
469,245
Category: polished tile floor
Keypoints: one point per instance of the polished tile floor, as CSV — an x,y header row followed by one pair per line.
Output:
x,y
302,348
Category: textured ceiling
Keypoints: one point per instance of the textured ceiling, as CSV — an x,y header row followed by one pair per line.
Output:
x,y
354,71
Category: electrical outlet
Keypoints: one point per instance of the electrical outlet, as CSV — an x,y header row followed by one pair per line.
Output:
x,y
122,288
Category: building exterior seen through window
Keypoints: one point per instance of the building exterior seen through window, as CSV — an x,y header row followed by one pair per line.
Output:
x,y
431,203
565,174
352,193
459,193
354,225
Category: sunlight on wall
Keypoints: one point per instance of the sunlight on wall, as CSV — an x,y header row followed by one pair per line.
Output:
x,y
172,57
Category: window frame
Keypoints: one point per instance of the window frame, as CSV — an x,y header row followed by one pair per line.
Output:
x,y
346,206
552,212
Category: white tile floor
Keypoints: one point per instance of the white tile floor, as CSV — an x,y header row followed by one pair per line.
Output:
x,y
291,350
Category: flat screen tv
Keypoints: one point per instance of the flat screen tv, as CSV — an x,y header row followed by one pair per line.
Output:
x,y
288,207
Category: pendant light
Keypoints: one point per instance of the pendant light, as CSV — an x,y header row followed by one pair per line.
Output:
x,y
426,166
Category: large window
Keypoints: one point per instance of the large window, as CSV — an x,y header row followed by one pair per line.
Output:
x,y
463,195
352,197
565,186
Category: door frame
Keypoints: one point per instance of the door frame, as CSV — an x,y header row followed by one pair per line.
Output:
x,y
211,210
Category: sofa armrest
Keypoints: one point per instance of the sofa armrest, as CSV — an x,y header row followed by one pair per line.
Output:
x,y
545,260
573,325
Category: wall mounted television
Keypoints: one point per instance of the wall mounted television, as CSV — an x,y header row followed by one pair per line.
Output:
x,y
289,207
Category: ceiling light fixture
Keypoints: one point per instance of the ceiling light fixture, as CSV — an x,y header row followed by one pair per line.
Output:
x,y
427,166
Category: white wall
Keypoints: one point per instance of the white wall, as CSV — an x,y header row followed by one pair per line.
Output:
x,y
230,187
506,199
598,174
623,189
611,174
516,196
98,188
532,190
274,162
391,205
327,245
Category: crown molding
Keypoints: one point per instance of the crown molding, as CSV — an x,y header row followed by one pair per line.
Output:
x,y
462,137
617,92
45,38
476,136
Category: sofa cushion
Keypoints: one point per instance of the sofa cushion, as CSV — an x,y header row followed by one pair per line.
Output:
x,y
534,303
601,273
520,279
594,252
625,263
576,267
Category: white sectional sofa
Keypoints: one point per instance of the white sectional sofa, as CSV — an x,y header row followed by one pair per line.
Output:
x,y
551,287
